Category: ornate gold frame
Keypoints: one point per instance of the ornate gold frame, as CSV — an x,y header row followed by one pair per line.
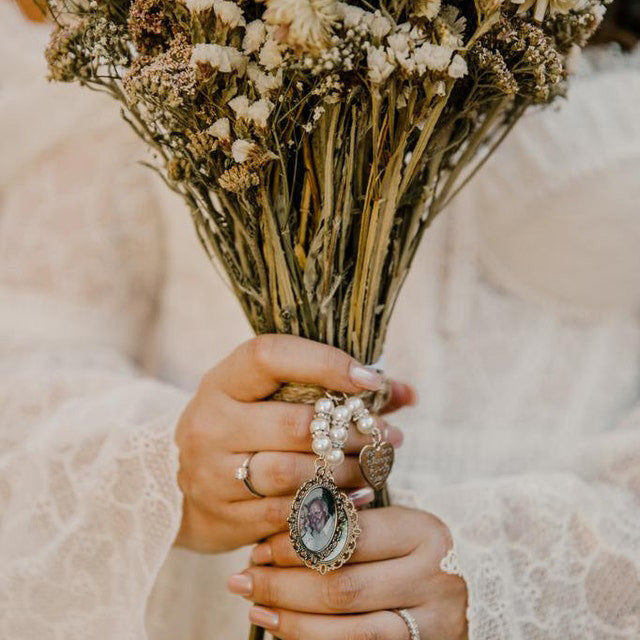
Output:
x,y
346,515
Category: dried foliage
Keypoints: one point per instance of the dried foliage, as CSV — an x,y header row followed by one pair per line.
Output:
x,y
315,141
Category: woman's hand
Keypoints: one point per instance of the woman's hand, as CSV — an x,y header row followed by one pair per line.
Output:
x,y
228,418
396,565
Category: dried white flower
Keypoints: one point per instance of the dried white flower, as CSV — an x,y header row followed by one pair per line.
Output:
x,y
259,112
240,149
304,24
432,56
458,67
264,83
229,13
220,129
399,50
380,26
199,5
350,15
379,66
555,7
240,106
225,59
270,56
427,9
254,36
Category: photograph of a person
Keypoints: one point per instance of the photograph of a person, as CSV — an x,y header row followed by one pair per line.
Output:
x,y
318,513
253,247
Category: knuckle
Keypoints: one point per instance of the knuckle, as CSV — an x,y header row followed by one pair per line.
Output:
x,y
261,349
275,513
265,588
281,549
295,423
282,471
336,360
341,592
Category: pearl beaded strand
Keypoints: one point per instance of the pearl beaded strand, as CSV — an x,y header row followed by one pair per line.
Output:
x,y
329,430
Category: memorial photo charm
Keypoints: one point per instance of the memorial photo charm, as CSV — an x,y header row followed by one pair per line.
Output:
x,y
323,524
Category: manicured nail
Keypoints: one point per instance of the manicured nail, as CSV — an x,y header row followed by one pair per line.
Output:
x,y
363,496
265,618
262,554
395,436
365,377
414,396
407,392
241,584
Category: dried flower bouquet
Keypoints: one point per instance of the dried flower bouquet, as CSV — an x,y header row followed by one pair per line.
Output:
x,y
315,141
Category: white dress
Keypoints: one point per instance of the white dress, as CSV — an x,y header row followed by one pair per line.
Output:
x,y
519,326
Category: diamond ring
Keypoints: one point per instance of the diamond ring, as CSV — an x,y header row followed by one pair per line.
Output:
x,y
243,473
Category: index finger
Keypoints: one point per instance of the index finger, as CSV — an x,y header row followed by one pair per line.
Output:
x,y
258,367
392,538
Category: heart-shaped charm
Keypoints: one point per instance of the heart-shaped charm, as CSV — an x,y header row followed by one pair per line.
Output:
x,y
376,462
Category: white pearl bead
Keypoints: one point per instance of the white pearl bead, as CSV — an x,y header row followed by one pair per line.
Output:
x,y
324,405
319,424
321,445
338,434
335,456
365,424
341,414
354,404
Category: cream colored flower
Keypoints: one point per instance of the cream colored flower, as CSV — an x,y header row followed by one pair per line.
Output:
x,y
241,149
303,24
399,50
259,112
270,55
254,36
379,66
433,57
350,15
458,67
199,5
224,59
554,7
240,106
265,83
380,26
426,8
220,129
229,13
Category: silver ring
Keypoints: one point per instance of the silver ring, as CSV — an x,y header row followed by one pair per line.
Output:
x,y
409,620
243,473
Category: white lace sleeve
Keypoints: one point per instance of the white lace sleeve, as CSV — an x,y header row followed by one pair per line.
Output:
x,y
88,503
553,556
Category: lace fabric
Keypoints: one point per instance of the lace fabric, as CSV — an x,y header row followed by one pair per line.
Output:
x,y
526,442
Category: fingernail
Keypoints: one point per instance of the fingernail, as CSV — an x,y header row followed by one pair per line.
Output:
x,y
414,396
241,584
360,497
261,554
265,618
394,435
365,377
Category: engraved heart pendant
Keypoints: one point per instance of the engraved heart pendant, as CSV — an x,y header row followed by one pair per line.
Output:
x,y
376,461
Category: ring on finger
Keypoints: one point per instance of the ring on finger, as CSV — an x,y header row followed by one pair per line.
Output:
x,y
410,621
244,473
